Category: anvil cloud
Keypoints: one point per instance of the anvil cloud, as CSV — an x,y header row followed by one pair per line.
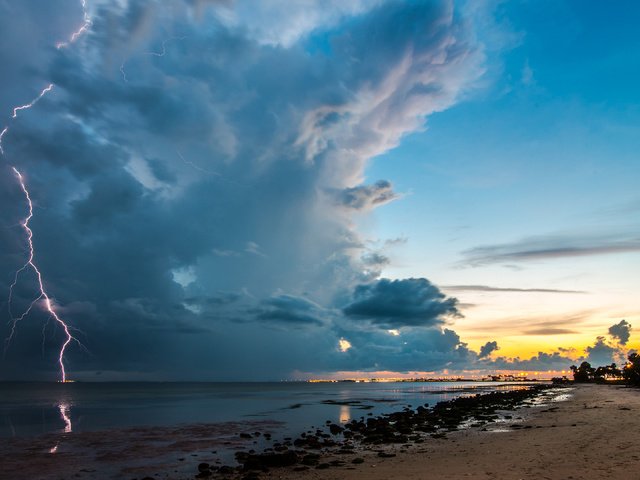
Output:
x,y
199,177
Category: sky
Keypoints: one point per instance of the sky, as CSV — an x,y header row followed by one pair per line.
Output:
x,y
245,190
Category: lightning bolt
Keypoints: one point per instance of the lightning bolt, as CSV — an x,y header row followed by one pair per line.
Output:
x,y
196,167
82,29
124,74
164,47
42,295
26,106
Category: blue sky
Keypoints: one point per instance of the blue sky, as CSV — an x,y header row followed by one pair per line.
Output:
x,y
320,188
547,147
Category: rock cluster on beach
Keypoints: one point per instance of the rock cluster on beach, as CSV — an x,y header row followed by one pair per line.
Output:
x,y
340,445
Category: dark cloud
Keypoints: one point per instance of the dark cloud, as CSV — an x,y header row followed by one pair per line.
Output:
x,y
161,181
621,331
486,288
487,349
366,197
549,248
220,298
414,349
541,362
600,353
400,303
291,310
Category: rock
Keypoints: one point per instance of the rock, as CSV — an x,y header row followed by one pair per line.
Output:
x,y
386,455
250,476
335,429
203,467
267,460
311,459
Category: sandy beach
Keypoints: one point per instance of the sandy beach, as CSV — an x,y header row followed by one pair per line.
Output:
x,y
592,435
579,432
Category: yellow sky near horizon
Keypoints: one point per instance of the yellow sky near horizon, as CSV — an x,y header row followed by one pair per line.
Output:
x,y
543,322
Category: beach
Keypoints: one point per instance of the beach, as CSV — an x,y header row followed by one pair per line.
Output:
x,y
573,432
591,435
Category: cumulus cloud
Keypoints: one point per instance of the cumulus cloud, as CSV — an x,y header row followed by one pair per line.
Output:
x,y
237,156
422,349
400,303
600,353
621,332
542,361
488,348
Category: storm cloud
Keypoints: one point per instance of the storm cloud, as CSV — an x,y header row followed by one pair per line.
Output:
x,y
196,176
401,303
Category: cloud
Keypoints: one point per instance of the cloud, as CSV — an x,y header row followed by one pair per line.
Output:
x,y
549,248
399,303
290,310
549,331
488,348
600,353
366,197
119,212
541,362
415,349
621,331
485,288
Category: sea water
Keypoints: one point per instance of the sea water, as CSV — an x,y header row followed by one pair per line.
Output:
x,y
28,409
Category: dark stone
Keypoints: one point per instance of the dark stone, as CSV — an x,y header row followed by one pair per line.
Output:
x,y
335,429
267,460
311,459
251,476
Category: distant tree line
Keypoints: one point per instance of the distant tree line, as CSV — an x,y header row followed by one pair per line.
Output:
x,y
629,373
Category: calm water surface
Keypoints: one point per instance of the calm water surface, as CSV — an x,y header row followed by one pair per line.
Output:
x,y
28,409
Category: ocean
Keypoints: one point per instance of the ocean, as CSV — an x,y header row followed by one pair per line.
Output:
x,y
28,409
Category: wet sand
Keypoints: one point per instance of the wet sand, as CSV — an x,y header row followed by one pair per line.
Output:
x,y
592,435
